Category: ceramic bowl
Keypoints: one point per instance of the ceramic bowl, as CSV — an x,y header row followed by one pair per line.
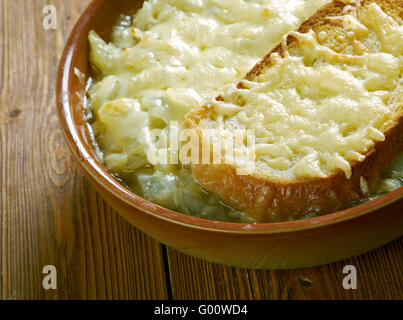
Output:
x,y
282,245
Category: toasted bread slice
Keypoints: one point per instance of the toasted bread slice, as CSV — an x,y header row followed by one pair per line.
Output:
x,y
326,110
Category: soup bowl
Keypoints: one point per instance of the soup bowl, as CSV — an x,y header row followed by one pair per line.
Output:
x,y
282,245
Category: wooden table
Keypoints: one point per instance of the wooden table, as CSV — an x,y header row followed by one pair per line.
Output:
x,y
50,215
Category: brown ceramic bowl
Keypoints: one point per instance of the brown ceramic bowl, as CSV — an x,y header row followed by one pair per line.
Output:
x,y
282,245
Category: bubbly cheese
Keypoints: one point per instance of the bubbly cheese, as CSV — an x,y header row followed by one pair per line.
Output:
x,y
319,111
174,55
171,56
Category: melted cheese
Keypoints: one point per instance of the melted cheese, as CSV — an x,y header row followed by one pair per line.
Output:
x,y
171,56
175,54
318,112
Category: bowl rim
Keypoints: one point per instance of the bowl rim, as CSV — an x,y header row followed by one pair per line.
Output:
x,y
98,172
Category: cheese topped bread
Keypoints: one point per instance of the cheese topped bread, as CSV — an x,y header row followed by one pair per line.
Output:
x,y
325,107
168,57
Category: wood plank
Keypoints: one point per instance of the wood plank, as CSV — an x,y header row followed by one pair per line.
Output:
x,y
49,212
379,276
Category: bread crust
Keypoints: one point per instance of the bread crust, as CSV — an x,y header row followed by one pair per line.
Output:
x,y
267,199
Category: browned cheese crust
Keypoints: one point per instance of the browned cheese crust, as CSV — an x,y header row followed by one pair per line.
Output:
x,y
292,199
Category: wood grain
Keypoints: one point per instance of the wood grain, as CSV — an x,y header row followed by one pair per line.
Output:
x,y
379,276
49,214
